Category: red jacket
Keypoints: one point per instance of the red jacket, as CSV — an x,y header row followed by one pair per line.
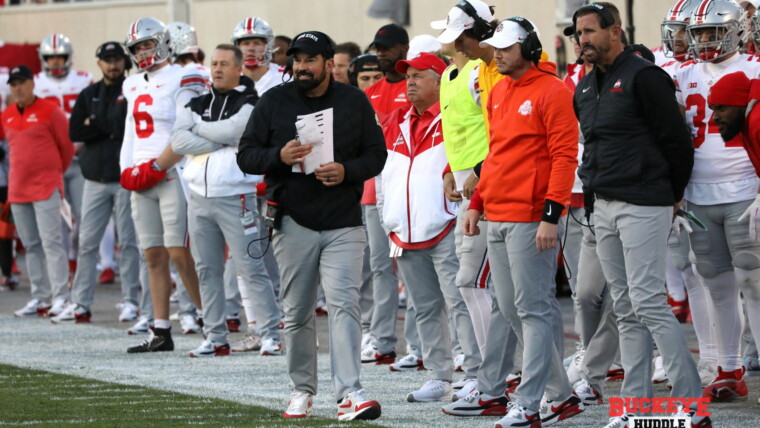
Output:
x,y
40,150
533,146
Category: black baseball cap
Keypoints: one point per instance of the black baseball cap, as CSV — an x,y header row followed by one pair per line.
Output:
x,y
391,35
21,72
313,43
110,49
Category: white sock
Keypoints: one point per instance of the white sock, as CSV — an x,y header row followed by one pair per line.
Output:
x,y
674,279
700,304
246,301
107,246
478,301
749,284
727,318
162,324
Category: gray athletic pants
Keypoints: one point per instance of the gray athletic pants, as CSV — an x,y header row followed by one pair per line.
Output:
x,y
499,356
99,202
525,288
571,249
73,188
631,245
333,257
430,278
214,222
384,283
38,224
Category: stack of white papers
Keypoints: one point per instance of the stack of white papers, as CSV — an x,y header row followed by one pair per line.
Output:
x,y
315,129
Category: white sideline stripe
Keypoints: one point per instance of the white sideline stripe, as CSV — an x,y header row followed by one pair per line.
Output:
x,y
99,353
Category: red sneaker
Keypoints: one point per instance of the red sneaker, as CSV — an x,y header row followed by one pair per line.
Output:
x,y
107,276
728,386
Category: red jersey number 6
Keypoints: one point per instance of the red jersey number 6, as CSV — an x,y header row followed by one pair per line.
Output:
x,y
143,119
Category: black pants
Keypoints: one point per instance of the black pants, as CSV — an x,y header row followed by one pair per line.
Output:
x,y
6,245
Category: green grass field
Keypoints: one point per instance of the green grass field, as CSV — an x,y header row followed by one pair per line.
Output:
x,y
44,399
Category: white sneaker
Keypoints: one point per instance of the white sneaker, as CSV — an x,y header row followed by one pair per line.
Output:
x,y
477,404
356,406
366,339
458,361
174,298
707,373
299,406
409,363
33,307
127,311
174,317
432,390
659,375
553,411
618,422
189,325
575,368
58,306
518,416
578,348
270,347
72,312
142,326
463,388
251,342
211,349
588,395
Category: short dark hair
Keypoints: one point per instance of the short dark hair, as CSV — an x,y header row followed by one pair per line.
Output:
x,y
585,10
235,50
200,55
283,38
352,49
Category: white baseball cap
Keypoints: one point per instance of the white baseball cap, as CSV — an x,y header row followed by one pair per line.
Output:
x,y
507,34
458,20
423,43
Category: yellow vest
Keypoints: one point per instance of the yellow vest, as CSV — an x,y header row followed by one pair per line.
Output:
x,y
464,133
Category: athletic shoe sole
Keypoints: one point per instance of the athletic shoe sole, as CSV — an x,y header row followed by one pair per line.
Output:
x,y
373,411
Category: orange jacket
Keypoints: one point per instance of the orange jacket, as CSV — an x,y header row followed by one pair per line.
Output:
x,y
533,146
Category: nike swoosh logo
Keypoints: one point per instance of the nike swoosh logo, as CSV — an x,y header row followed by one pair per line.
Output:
x,y
374,96
586,90
550,210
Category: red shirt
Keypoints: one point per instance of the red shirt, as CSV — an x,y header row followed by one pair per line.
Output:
x,y
385,98
40,150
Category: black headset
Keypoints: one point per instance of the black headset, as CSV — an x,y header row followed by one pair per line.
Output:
x,y
481,29
531,48
353,71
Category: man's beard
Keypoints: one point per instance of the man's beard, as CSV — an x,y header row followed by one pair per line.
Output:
x,y
308,85
732,129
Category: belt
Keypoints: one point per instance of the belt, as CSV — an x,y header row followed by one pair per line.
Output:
x,y
604,197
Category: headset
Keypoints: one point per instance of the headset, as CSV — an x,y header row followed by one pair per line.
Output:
x,y
531,48
361,61
481,29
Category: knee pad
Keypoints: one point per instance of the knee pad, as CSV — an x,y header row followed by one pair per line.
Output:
x,y
706,270
681,263
747,259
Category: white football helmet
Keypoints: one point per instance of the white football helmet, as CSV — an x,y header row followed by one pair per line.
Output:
x,y
717,28
149,29
56,44
183,38
755,25
254,27
674,22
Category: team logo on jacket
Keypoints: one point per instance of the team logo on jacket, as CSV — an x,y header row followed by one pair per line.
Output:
x,y
526,108
32,118
617,87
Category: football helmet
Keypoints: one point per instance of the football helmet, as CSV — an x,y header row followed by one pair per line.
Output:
x,y
56,44
254,27
183,38
674,22
148,29
755,25
717,28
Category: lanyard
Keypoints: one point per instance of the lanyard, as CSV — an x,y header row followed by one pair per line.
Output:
x,y
242,202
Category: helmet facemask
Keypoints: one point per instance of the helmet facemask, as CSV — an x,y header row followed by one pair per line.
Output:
x,y
675,42
709,43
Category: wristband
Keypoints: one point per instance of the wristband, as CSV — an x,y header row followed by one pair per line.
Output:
x,y
155,166
552,211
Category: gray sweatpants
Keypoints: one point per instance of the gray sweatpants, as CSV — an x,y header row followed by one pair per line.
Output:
x,y
99,202
430,278
524,286
384,283
38,224
73,188
214,222
333,257
631,245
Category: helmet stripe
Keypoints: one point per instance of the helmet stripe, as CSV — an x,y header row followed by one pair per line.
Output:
x,y
677,9
55,39
249,25
701,10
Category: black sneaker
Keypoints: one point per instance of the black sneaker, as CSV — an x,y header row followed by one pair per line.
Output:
x,y
159,339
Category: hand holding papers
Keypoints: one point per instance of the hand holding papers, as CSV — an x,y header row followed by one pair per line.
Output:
x,y
315,129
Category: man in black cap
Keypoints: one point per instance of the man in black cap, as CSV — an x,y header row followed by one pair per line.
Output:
x,y
386,96
318,234
97,120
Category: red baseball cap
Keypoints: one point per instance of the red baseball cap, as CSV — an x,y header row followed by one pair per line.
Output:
x,y
423,61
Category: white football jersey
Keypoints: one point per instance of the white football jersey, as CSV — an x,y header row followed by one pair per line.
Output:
x,y
200,69
153,101
63,92
722,171
272,78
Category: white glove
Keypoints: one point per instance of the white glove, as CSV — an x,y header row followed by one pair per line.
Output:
x,y
753,213
675,229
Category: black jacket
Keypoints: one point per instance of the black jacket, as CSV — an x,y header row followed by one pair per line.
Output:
x,y
98,121
637,147
357,141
